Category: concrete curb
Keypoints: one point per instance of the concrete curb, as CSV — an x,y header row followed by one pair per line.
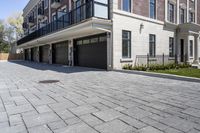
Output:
x,y
160,75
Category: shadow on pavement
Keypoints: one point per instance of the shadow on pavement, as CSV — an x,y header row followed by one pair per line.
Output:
x,y
54,67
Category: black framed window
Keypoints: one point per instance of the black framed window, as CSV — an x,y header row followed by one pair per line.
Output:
x,y
191,48
171,47
153,9
191,16
126,5
46,3
54,17
182,15
126,44
152,45
171,12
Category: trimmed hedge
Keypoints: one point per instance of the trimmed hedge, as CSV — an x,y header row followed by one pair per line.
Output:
x,y
155,67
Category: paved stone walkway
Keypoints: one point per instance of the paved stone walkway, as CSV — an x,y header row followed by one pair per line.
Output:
x,y
92,101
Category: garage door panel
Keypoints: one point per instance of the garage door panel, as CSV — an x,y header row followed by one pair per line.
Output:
x,y
34,54
26,54
60,53
91,55
44,54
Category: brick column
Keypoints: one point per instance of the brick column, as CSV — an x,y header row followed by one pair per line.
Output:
x,y
38,54
50,54
109,51
71,52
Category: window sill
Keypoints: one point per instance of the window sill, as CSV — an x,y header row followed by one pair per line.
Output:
x,y
126,60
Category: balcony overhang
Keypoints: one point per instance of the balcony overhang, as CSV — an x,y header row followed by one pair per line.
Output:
x,y
31,23
55,4
189,28
41,16
89,27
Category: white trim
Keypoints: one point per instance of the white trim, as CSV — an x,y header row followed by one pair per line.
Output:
x,y
188,6
196,13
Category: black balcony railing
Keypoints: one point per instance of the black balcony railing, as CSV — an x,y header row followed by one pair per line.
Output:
x,y
52,1
83,12
25,25
40,11
31,19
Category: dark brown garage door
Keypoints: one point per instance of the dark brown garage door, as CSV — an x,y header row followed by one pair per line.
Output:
x,y
26,54
44,53
34,54
91,52
60,53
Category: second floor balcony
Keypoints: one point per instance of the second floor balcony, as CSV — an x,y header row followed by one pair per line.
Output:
x,y
31,21
40,12
55,3
81,14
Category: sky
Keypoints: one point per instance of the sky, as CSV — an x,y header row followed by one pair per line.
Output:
x,y
9,7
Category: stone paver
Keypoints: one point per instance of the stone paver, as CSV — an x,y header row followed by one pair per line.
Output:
x,y
115,126
93,101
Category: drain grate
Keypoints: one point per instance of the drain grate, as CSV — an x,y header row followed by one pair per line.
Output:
x,y
48,81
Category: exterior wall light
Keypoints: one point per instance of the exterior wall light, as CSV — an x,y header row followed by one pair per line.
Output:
x,y
141,27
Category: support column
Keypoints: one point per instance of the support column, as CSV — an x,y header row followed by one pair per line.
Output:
x,y
187,51
109,51
196,49
71,52
188,8
38,54
50,54
166,8
29,54
196,10
178,5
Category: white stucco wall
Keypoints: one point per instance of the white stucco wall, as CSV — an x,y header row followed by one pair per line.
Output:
x,y
140,40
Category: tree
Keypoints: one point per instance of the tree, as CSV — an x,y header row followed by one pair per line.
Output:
x,y
14,30
15,21
1,31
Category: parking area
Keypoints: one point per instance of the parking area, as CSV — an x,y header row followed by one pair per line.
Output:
x,y
84,100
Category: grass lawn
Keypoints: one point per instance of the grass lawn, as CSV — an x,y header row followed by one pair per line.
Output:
x,y
189,72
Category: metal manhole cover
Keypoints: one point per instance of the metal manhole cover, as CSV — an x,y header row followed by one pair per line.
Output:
x,y
49,81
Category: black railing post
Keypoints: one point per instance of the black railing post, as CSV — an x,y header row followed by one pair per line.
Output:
x,y
163,59
92,8
176,59
147,60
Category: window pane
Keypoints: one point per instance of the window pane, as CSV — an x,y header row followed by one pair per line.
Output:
x,y
171,47
152,9
94,40
126,44
102,39
171,12
126,5
101,11
87,41
191,48
152,45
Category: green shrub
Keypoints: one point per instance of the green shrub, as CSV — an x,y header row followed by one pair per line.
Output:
x,y
155,67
